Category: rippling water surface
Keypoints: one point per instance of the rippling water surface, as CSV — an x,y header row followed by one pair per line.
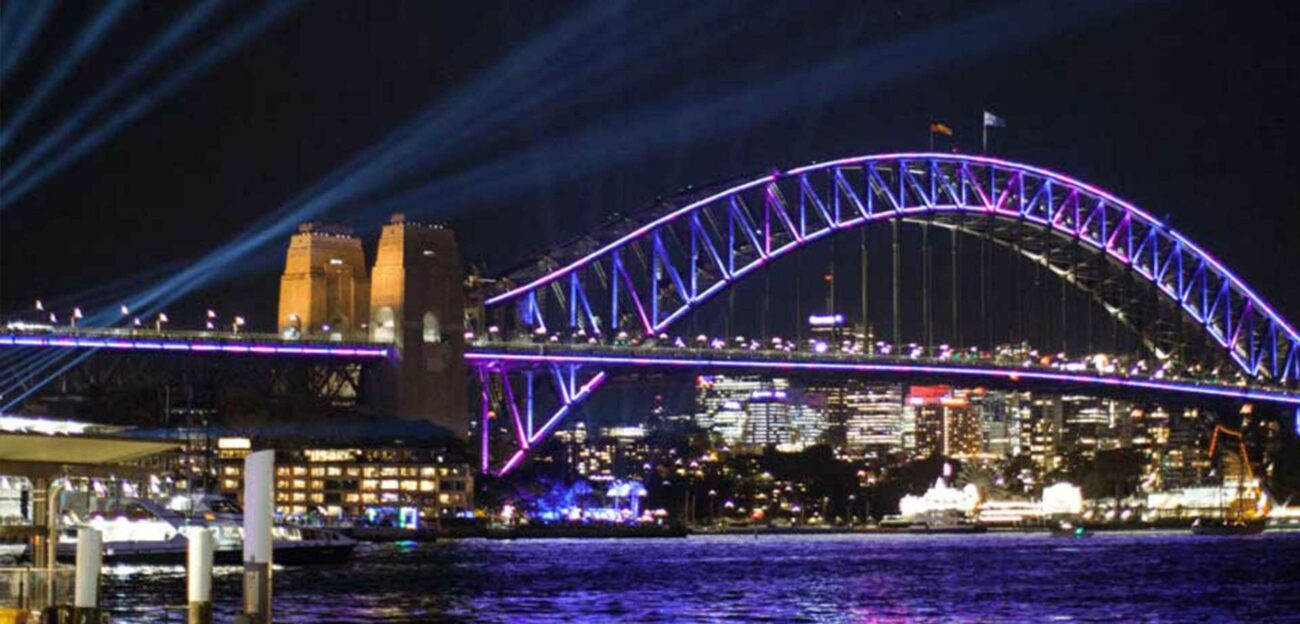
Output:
x,y
877,579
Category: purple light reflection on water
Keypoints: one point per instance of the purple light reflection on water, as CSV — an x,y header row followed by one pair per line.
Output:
x,y
1125,577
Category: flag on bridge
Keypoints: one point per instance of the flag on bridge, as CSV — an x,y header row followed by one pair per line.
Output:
x,y
937,127
990,121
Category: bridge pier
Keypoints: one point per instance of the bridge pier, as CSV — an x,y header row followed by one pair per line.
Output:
x,y
417,303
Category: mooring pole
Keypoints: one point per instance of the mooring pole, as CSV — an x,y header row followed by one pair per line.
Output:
x,y
200,577
85,603
259,505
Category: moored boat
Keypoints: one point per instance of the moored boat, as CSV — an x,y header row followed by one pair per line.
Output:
x,y
1213,526
146,531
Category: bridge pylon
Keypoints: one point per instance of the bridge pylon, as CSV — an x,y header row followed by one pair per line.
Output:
x,y
417,304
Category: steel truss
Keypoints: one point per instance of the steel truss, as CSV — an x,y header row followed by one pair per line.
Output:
x,y
550,398
129,386
644,276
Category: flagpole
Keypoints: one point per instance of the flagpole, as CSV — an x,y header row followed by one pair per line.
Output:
x,y
984,140
931,134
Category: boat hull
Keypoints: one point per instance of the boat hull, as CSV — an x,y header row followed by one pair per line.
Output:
x,y
1252,528
167,553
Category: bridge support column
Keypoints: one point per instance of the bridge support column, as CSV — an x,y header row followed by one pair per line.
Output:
x,y
898,298
417,303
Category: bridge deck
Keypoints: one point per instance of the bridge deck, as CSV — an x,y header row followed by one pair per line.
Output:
x,y
196,342
783,362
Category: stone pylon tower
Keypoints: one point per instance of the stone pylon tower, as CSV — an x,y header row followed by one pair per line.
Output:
x,y
324,289
417,302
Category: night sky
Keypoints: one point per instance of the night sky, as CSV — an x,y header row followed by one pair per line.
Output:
x,y
1187,109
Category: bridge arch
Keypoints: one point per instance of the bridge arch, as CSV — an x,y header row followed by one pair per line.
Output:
x,y
656,270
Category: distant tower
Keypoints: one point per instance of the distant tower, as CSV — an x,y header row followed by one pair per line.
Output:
x,y
417,302
324,289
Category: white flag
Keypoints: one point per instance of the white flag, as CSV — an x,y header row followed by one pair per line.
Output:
x,y
993,121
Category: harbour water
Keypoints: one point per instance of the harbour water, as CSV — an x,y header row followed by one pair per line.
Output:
x,y
1120,577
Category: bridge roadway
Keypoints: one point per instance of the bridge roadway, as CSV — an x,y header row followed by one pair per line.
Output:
x,y
198,342
657,357
994,373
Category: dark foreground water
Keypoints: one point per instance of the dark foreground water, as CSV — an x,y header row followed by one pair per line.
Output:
x,y
875,579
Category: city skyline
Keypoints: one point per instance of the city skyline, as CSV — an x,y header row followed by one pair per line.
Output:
x,y
615,311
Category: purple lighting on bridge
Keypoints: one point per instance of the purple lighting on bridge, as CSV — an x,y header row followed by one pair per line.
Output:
x,y
1256,337
195,346
1244,394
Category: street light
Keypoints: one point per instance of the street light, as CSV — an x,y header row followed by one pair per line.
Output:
x,y
234,327
40,307
158,323
76,314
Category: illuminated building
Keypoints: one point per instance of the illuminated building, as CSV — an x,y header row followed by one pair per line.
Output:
x,y
831,333
999,422
945,422
346,483
1045,421
875,417
614,453
767,419
808,422
1090,424
744,410
1183,460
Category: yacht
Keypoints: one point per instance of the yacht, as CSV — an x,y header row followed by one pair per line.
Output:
x,y
150,531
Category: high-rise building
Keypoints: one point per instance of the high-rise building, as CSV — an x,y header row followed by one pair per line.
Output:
x,y
998,422
1045,422
767,419
722,404
807,421
875,417
1090,424
1183,460
945,422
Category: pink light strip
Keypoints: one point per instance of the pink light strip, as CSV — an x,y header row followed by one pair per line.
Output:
x,y
1245,394
138,344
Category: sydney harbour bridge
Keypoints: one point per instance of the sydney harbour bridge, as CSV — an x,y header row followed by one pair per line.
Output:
x,y
632,297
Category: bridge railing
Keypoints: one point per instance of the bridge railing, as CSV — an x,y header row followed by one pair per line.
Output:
x,y
207,335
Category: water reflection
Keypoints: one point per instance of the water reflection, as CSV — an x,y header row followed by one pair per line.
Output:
x,y
877,579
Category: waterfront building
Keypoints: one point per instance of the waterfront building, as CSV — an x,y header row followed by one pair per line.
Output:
x,y
350,483
875,418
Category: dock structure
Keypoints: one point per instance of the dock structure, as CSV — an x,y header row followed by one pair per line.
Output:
x,y
48,458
